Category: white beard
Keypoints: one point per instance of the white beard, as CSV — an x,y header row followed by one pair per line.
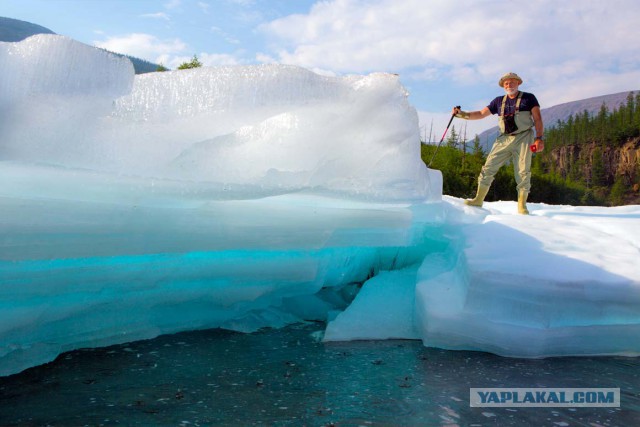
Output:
x,y
511,91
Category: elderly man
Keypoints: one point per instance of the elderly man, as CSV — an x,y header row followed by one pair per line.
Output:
x,y
519,113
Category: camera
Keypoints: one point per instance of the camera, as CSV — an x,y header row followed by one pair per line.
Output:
x,y
509,123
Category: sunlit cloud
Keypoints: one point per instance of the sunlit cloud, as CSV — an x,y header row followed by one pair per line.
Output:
x,y
143,46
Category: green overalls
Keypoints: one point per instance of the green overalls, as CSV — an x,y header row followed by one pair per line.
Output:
x,y
514,146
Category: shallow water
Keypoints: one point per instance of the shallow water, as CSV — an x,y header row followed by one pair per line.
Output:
x,y
287,377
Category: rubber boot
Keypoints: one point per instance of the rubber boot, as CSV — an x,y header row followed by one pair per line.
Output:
x,y
480,195
522,202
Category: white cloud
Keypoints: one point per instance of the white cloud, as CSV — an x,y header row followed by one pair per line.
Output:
x,y
265,59
386,34
225,36
158,15
552,44
169,6
216,59
170,53
143,46
172,4
204,7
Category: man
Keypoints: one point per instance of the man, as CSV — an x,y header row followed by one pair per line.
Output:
x,y
519,112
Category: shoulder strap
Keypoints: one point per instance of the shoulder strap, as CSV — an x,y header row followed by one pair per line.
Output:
x,y
504,102
518,102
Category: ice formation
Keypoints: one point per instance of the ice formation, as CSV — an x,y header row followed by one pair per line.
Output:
x,y
563,281
252,130
256,196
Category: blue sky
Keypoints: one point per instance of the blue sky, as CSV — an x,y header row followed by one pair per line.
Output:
x,y
446,52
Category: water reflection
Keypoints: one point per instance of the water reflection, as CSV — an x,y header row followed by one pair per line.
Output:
x,y
287,377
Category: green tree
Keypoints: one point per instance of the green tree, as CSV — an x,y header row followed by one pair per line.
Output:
x,y
194,63
630,107
636,114
476,148
452,139
598,177
537,164
161,68
601,123
618,190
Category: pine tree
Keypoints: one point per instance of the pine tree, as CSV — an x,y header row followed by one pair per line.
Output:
x,y
194,63
631,107
618,190
477,148
598,178
601,120
636,113
452,139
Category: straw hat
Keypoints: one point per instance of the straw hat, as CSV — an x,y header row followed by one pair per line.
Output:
x,y
509,76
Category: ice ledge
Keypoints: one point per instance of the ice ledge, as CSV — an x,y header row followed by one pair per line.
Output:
x,y
561,282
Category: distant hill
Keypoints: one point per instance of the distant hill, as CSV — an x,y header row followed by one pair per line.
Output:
x,y
561,112
14,30
140,66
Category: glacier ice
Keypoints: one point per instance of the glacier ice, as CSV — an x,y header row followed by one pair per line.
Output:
x,y
257,196
253,130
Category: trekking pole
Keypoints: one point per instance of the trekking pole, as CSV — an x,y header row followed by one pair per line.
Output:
x,y
442,139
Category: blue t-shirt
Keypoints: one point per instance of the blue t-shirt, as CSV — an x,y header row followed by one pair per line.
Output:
x,y
526,104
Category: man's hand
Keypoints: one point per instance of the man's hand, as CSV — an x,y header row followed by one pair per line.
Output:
x,y
456,111
538,145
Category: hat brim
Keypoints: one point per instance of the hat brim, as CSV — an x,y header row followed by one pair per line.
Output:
x,y
501,82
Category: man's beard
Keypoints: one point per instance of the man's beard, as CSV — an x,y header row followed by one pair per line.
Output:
x,y
511,91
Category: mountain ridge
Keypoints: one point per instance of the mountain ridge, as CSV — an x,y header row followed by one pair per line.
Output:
x,y
15,30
